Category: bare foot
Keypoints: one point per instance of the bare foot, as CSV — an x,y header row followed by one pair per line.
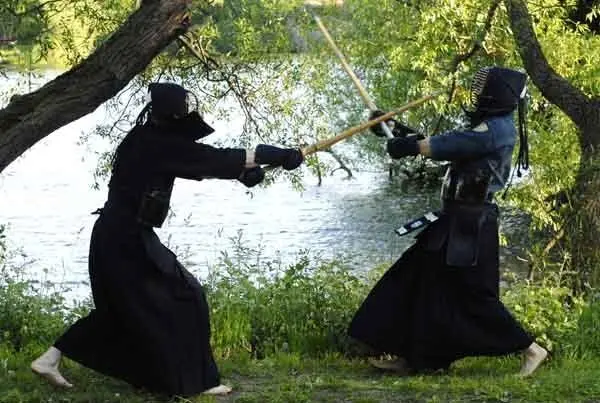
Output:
x,y
396,365
46,366
218,390
50,372
533,357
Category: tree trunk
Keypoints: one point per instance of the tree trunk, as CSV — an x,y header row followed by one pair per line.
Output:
x,y
583,219
583,223
29,118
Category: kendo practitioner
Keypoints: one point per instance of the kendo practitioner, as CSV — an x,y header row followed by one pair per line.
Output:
x,y
440,301
150,323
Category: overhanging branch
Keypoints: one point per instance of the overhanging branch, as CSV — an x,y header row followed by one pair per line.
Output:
x,y
553,87
31,117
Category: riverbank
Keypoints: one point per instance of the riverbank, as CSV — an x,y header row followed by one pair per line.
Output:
x,y
289,378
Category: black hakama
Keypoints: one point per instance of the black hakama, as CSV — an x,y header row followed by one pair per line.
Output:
x,y
150,323
432,313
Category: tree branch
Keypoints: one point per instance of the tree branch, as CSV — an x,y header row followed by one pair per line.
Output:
x,y
340,161
582,110
29,118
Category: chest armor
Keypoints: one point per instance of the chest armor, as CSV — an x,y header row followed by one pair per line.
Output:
x,y
468,186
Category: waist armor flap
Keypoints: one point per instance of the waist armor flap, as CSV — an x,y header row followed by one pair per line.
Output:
x,y
154,206
465,222
464,193
466,186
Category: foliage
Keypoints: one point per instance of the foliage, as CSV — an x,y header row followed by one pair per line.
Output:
x,y
549,313
293,319
24,22
27,318
60,32
266,61
584,341
263,308
2,245
445,42
31,314
582,223
255,29
259,308
270,58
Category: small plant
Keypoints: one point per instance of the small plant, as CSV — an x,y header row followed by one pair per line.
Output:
x,y
30,315
549,313
29,318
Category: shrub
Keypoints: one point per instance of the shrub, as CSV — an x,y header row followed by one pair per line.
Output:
x,y
549,313
305,308
27,317
584,341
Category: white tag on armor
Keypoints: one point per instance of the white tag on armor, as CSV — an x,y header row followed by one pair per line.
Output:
x,y
481,128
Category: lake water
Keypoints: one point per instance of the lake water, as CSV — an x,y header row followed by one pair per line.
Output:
x,y
46,198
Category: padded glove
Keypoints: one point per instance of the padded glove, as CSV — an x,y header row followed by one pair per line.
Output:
x,y
252,176
288,158
400,147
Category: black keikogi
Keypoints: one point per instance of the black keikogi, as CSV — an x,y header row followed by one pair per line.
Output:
x,y
150,324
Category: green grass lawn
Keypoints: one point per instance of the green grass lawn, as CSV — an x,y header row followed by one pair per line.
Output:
x,y
288,378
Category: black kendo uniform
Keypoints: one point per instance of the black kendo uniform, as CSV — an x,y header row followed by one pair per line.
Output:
x,y
440,301
150,326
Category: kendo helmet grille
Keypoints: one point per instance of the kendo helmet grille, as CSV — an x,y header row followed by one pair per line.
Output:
x,y
478,85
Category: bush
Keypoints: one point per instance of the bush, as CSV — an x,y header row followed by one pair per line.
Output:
x,y
549,313
584,341
31,315
28,318
261,308
305,308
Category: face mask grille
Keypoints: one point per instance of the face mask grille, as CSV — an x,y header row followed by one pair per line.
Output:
x,y
191,102
478,85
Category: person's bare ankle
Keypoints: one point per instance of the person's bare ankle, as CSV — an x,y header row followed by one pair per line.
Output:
x,y
533,356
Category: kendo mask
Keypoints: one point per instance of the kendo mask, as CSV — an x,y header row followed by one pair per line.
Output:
x,y
497,91
176,108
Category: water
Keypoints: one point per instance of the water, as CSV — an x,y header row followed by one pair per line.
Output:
x,y
46,198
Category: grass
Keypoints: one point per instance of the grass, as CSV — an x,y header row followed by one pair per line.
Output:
x,y
295,317
289,378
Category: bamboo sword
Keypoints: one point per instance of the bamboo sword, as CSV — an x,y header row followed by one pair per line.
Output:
x,y
361,89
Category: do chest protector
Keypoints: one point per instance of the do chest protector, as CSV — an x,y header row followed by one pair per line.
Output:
x,y
468,187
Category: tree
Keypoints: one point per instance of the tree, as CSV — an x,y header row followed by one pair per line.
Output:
x,y
582,226
401,49
252,33
29,118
